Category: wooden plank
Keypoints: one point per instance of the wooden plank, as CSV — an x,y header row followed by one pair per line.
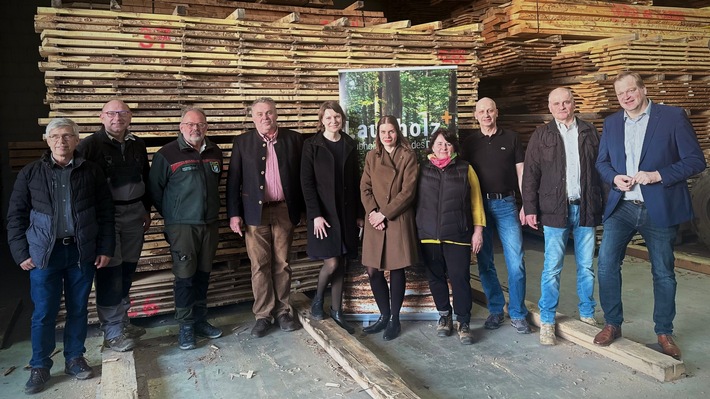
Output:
x,y
375,377
629,353
683,261
118,376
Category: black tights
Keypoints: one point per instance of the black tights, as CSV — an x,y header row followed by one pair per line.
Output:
x,y
333,272
378,283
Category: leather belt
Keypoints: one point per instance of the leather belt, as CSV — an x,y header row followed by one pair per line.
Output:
x,y
66,240
499,195
635,202
574,201
273,203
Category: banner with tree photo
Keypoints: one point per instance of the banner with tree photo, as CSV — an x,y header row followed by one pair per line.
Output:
x,y
423,99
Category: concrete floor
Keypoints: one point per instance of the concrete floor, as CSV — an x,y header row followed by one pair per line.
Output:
x,y
502,364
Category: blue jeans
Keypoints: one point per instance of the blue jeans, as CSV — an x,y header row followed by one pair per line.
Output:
x,y
555,245
503,214
61,272
621,225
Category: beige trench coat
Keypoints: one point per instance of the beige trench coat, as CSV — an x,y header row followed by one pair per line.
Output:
x,y
389,184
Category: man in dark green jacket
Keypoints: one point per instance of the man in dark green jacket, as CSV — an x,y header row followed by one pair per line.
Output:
x,y
184,180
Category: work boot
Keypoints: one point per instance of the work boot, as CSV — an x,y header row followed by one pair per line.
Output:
x,y
493,321
79,368
465,335
38,378
120,343
207,330
547,334
589,320
445,325
186,337
133,331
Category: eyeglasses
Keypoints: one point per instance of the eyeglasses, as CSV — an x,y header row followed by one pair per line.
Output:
x,y
628,92
120,114
62,137
190,125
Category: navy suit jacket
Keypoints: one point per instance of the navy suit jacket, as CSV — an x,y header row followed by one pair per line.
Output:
x,y
669,147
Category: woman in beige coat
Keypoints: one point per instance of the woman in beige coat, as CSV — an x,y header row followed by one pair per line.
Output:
x,y
388,188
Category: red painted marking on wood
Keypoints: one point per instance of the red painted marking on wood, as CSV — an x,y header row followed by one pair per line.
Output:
x,y
155,35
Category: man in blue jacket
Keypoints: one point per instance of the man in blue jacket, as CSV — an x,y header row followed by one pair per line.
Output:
x,y
60,228
647,153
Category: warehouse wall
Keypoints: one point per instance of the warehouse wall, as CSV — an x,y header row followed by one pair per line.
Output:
x,y
21,84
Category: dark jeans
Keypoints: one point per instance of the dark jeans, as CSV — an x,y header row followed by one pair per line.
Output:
x,y
62,272
452,261
623,223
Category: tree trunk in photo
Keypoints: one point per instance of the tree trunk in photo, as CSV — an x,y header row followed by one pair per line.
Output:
x,y
390,94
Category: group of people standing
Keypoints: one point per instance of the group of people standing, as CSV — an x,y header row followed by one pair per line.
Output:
x,y
81,211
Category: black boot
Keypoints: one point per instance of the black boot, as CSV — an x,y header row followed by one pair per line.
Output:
x,y
393,329
377,326
337,315
317,308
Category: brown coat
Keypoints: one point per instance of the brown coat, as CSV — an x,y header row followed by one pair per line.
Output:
x,y
389,184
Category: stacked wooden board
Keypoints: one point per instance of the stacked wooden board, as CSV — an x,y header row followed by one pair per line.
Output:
x,y
310,12
159,64
588,19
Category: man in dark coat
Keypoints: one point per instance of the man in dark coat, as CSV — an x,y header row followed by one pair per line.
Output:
x,y
60,228
562,191
264,192
124,160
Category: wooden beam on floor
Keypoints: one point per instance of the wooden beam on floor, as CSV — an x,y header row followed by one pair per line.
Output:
x,y
118,376
629,353
375,377
682,260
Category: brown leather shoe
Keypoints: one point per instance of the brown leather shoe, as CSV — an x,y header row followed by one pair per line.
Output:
x,y
669,347
607,335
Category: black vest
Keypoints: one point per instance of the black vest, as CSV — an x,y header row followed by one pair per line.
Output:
x,y
444,202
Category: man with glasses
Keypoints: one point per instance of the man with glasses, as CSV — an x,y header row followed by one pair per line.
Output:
x,y
184,181
124,160
60,229
264,201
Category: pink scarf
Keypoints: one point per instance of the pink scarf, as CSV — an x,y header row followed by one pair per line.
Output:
x,y
440,162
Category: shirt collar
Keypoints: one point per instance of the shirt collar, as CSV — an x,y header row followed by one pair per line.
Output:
x,y
645,112
129,136
561,126
54,162
267,139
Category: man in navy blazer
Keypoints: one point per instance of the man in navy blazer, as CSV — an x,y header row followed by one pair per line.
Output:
x,y
647,153
265,202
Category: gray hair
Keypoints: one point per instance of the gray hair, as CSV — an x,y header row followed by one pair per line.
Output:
x,y
193,109
266,100
58,123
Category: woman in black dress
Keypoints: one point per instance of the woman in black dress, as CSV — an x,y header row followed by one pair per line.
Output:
x,y
330,180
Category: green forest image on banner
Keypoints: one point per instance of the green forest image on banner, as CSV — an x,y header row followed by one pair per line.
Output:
x,y
423,100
